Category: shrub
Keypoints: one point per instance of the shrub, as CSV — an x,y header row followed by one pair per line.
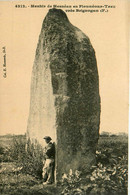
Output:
x,y
17,149
27,155
33,160
1,153
103,180
109,176
70,183
109,179
5,154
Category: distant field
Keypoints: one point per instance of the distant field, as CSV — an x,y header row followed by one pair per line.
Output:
x,y
6,140
113,139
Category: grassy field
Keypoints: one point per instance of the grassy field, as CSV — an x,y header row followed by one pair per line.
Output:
x,y
20,171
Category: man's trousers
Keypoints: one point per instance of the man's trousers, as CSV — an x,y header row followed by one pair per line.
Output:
x,y
48,171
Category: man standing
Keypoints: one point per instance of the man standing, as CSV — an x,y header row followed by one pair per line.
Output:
x,y
49,163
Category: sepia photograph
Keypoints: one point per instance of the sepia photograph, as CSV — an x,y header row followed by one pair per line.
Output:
x,y
64,99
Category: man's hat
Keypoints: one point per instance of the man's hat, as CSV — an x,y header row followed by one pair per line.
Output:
x,y
47,137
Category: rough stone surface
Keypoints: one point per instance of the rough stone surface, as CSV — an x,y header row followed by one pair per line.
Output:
x,y
65,101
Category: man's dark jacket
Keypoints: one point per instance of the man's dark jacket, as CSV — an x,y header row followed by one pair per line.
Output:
x,y
50,151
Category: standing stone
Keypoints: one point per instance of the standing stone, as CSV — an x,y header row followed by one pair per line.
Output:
x,y
65,101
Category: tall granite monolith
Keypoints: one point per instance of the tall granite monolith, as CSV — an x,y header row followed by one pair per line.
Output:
x,y
65,101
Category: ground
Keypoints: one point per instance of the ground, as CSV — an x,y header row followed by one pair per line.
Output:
x,y
111,168
13,182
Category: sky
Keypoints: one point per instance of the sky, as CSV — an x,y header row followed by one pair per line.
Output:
x,y
108,33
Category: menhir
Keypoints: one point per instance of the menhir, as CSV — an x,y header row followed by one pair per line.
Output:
x,y
65,101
